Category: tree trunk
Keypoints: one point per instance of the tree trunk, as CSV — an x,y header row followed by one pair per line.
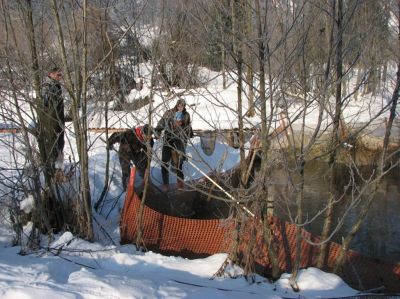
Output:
x,y
223,50
335,133
264,142
85,184
238,52
80,123
249,61
107,174
48,217
298,222
300,165
149,154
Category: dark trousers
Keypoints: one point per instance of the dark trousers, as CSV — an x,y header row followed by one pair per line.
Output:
x,y
172,150
138,158
60,143
126,169
57,148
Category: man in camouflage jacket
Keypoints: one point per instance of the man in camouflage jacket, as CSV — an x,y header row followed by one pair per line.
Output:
x,y
132,147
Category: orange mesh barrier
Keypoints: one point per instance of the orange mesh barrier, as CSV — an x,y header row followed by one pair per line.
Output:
x,y
172,235
359,271
196,238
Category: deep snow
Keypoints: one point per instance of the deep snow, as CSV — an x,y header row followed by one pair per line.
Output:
x,y
74,268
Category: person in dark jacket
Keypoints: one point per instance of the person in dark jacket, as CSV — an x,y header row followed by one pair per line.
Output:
x,y
132,147
52,120
177,130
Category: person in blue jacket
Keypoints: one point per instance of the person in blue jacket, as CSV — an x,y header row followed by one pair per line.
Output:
x,y
177,131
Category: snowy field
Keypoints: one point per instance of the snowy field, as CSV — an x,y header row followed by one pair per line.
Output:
x,y
74,268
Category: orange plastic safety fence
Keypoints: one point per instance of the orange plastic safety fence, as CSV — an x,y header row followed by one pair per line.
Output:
x,y
196,238
172,235
359,271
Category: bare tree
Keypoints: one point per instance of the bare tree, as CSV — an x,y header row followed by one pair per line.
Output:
x,y
382,168
267,50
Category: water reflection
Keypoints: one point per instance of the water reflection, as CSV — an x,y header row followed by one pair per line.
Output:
x,y
380,233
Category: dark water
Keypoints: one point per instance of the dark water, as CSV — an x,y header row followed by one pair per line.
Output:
x,y
380,233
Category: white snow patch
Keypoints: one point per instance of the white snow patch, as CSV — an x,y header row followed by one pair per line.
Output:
x,y
27,204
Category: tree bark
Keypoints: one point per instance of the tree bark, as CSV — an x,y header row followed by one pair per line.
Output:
x,y
85,185
80,122
107,174
149,153
264,141
47,210
249,60
335,133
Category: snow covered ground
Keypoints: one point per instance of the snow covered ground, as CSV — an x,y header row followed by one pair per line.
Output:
x,y
92,270
74,268
214,108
